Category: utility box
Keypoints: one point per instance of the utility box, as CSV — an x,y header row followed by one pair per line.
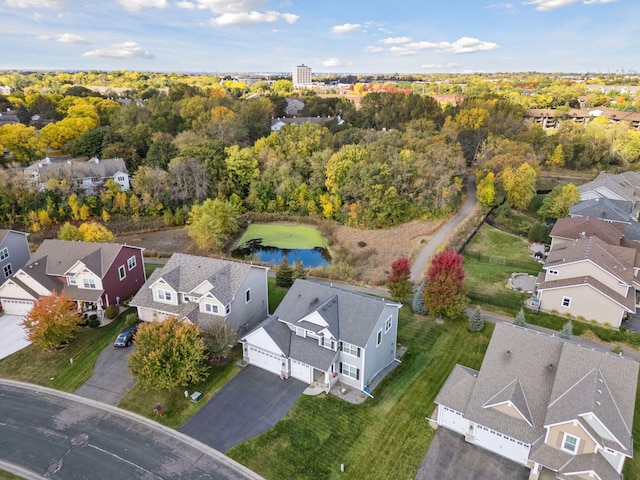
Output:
x,y
196,396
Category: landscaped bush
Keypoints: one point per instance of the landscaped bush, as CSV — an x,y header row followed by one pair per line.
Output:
x,y
130,319
93,321
111,312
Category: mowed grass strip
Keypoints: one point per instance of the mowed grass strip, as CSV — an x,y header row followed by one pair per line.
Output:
x,y
491,241
385,437
284,236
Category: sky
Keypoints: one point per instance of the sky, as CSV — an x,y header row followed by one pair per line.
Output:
x,y
330,36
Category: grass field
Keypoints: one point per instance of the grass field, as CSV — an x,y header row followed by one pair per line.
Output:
x,y
284,236
491,241
385,437
8,476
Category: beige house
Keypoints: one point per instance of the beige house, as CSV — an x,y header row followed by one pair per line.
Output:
x,y
566,230
545,403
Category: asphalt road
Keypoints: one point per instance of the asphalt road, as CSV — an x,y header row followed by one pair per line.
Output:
x,y
62,436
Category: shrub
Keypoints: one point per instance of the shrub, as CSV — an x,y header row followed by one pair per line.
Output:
x,y
520,319
93,321
567,331
131,319
111,312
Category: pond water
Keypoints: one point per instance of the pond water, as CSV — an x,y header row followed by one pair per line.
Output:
x,y
253,250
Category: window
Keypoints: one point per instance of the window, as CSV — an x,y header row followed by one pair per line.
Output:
x,y
327,343
164,295
379,338
387,324
4,253
350,370
89,283
247,296
227,309
552,272
122,273
566,302
210,308
8,271
351,349
120,178
72,281
188,298
131,263
570,443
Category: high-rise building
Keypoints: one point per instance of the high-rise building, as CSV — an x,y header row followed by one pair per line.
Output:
x,y
301,76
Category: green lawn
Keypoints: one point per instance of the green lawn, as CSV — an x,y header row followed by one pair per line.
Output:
x,y
8,476
385,437
491,241
284,236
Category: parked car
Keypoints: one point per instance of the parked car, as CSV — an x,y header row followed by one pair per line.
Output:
x,y
125,337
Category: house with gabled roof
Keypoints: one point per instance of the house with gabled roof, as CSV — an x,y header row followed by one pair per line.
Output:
x,y
545,403
321,334
94,275
569,229
14,252
603,208
203,291
622,186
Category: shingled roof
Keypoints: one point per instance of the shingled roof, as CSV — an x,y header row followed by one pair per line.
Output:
x,y
573,228
604,209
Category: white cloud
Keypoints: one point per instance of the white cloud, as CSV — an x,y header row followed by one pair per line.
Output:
x,y
466,45
120,50
331,62
71,38
186,5
402,51
509,7
545,5
34,3
435,66
372,49
137,5
252,18
394,40
346,28
231,6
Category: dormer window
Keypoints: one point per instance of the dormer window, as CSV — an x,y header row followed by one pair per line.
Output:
x,y
164,295
211,308
570,443
88,283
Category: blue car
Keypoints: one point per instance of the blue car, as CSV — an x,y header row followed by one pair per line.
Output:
x,y
125,337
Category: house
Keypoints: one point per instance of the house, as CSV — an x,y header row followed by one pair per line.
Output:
x,y
294,105
94,275
545,403
566,230
617,211
623,186
9,117
91,176
323,334
14,252
205,290
591,279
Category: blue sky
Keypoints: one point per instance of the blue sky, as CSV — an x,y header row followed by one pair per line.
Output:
x,y
335,36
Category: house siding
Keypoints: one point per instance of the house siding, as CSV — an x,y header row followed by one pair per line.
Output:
x,y
18,246
583,269
126,288
556,435
151,315
246,315
378,357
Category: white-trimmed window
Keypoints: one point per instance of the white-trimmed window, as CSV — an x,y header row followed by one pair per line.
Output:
x,y
379,338
552,272
72,281
88,282
570,443
247,296
566,302
8,271
4,253
164,295
326,342
122,272
131,262
349,370
121,178
351,349
388,323
210,307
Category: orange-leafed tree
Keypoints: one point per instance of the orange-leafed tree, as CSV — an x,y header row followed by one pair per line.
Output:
x,y
399,280
52,322
444,292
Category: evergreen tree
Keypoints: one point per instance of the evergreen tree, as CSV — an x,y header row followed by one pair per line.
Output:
x,y
520,320
284,275
476,322
566,331
418,302
299,271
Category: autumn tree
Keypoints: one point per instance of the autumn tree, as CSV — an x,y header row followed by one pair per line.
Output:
x,y
168,354
520,185
444,292
559,201
52,322
399,280
86,232
212,222
486,192
24,142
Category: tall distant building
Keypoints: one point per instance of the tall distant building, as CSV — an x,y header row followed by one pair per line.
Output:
x,y
301,76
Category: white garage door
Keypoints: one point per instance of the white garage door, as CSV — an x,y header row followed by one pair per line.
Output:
x,y
262,359
301,371
16,307
501,444
452,419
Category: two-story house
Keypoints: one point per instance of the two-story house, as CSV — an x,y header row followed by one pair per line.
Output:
x,y
321,334
205,290
545,403
622,186
95,275
14,252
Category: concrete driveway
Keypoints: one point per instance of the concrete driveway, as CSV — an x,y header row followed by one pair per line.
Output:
x,y
250,404
451,458
12,335
110,379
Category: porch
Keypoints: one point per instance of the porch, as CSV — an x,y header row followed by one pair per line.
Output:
x,y
322,382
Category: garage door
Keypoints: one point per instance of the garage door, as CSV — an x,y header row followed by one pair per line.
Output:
x,y
501,444
266,360
16,307
452,419
301,371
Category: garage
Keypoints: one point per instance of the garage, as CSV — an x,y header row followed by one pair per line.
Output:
x,y
267,361
501,444
16,307
452,419
301,371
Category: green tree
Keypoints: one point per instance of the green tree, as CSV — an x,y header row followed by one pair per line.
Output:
x,y
559,201
168,354
556,159
476,321
520,185
566,331
444,292
284,275
68,232
211,223
520,319
298,270
399,280
52,322
242,169
219,339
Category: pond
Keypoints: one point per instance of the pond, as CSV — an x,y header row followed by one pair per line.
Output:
x,y
269,243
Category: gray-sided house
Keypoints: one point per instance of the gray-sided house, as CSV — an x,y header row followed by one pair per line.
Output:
x,y
546,403
204,290
95,275
320,334
14,252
